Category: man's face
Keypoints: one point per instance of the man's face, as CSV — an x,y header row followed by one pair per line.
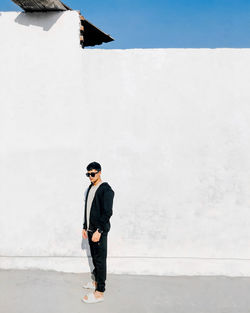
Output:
x,y
96,177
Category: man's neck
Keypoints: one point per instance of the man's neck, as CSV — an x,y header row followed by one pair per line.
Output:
x,y
97,182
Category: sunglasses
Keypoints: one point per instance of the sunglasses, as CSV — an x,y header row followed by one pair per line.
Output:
x,y
92,174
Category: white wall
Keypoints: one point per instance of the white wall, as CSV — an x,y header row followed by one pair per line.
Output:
x,y
170,128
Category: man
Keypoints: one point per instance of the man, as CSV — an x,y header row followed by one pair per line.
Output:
x,y
97,213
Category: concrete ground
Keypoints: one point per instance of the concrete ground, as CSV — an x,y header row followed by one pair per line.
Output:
x,y
34,291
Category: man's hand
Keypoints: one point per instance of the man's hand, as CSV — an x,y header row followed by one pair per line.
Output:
x,y
96,236
84,234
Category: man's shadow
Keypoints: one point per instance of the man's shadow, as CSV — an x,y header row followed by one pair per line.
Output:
x,y
85,247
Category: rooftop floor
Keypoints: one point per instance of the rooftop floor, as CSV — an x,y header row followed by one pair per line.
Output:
x,y
37,291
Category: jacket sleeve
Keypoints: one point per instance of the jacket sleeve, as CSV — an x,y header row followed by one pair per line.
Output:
x,y
107,209
84,226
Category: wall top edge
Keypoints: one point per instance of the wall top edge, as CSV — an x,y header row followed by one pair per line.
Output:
x,y
166,49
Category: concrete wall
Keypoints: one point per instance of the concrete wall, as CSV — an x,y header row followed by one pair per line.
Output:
x,y
170,128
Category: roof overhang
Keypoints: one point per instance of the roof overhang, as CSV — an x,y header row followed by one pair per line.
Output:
x,y
41,5
90,34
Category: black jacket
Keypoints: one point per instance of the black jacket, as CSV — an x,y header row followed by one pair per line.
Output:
x,y
101,208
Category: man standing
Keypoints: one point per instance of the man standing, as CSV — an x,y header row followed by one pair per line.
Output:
x,y
97,213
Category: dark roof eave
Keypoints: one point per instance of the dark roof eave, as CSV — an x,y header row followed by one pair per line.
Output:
x,y
93,35
41,6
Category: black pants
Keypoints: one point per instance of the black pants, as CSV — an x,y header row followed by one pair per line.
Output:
x,y
99,257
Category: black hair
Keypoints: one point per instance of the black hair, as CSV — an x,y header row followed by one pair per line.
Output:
x,y
94,166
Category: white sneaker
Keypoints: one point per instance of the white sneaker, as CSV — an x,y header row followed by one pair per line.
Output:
x,y
89,285
92,299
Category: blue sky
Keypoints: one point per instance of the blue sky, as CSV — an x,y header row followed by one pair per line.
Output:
x,y
165,23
